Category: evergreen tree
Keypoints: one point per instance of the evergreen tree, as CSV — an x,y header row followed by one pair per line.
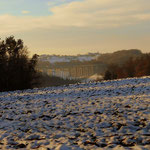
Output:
x,y
17,71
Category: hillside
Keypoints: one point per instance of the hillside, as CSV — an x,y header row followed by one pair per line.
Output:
x,y
84,66
106,115
119,57
64,58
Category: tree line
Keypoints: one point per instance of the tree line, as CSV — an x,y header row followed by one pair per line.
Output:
x,y
134,67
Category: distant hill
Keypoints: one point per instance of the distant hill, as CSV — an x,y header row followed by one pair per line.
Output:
x,y
119,57
65,58
84,65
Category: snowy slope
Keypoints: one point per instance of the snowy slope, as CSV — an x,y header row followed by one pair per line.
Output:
x,y
107,115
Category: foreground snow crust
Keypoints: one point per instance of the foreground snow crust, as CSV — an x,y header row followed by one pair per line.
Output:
x,y
106,115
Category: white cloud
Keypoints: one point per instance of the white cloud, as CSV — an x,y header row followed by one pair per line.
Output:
x,y
88,13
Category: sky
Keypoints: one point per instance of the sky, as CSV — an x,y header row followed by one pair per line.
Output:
x,y
70,27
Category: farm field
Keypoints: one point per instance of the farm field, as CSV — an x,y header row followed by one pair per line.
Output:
x,y
88,116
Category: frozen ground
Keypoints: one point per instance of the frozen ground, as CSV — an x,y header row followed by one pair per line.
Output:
x,y
107,115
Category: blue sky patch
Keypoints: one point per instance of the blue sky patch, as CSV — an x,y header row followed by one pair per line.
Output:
x,y
31,7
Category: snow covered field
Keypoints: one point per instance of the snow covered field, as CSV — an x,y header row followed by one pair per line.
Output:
x,y
107,115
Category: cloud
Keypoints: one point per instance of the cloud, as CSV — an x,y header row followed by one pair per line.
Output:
x,y
25,12
101,14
